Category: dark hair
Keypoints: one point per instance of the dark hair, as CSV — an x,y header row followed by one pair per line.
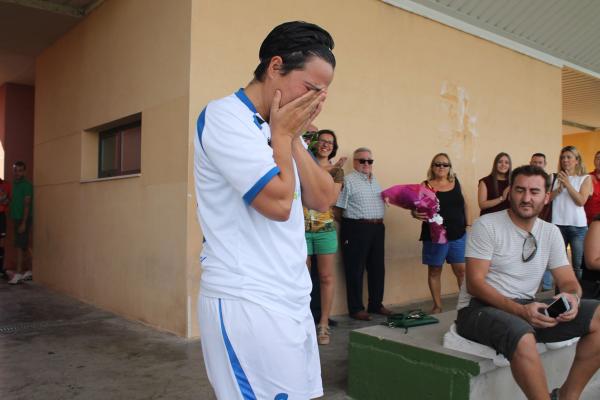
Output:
x,y
20,164
295,42
539,155
494,173
335,143
530,170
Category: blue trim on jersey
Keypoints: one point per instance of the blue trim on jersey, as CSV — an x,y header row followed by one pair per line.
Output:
x,y
244,99
258,121
259,185
200,126
238,371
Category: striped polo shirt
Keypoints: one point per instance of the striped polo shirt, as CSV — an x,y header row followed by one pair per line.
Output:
x,y
361,197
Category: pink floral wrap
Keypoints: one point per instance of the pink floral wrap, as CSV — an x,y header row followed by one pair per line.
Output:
x,y
422,199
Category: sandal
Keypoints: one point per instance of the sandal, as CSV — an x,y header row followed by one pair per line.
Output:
x,y
323,334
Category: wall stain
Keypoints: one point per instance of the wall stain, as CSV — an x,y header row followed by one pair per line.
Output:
x,y
458,128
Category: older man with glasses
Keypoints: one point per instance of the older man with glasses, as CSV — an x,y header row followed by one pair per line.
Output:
x,y
360,210
507,253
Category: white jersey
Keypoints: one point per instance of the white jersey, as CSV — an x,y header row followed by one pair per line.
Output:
x,y
246,255
496,238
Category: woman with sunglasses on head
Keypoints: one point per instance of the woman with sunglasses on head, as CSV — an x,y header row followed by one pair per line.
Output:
x,y
492,192
321,237
570,192
453,208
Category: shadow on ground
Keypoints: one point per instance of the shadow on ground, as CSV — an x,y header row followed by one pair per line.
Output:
x,y
54,347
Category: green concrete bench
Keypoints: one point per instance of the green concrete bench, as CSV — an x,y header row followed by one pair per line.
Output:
x,y
389,363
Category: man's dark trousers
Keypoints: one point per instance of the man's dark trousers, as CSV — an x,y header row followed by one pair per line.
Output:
x,y
363,246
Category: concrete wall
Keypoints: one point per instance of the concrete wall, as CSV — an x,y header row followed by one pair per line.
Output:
x,y
119,244
588,143
405,86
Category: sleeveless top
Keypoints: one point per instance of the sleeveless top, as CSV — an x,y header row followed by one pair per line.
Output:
x,y
492,194
315,221
452,209
592,206
564,210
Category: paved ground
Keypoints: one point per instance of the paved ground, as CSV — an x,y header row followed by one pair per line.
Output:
x,y
53,347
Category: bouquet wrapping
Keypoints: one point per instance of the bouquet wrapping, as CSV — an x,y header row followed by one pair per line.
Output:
x,y
422,199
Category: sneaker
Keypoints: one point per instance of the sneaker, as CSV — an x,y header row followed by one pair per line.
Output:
x,y
27,276
323,334
17,278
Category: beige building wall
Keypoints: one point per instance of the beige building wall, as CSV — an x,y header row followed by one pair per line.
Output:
x,y
121,243
405,86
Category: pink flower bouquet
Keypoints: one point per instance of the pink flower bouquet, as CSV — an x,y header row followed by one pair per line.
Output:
x,y
423,200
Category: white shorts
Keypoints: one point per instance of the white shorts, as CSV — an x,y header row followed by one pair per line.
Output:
x,y
254,353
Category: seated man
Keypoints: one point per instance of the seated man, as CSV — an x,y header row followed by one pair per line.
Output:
x,y
507,254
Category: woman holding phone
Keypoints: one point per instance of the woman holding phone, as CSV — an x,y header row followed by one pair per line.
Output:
x,y
570,192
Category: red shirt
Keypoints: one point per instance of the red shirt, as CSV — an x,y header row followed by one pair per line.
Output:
x,y
5,195
592,206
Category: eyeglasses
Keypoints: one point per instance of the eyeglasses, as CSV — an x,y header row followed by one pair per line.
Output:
x,y
364,161
529,248
441,165
325,142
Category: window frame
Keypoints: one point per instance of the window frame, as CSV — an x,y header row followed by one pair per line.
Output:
x,y
118,133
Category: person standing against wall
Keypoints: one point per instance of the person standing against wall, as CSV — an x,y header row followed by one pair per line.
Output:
x,y
492,192
539,160
570,192
360,209
453,208
321,236
21,217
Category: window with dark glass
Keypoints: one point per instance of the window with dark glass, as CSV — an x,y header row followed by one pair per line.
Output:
x,y
120,150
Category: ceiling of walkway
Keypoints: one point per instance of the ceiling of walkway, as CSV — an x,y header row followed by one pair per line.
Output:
x,y
565,33
562,32
29,26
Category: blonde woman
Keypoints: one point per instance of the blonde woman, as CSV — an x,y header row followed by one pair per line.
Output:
x,y
453,208
570,192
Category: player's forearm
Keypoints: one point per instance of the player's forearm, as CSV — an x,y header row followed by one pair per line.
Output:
x,y
282,154
318,189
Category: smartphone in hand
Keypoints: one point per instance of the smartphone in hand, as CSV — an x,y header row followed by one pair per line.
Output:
x,y
557,307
